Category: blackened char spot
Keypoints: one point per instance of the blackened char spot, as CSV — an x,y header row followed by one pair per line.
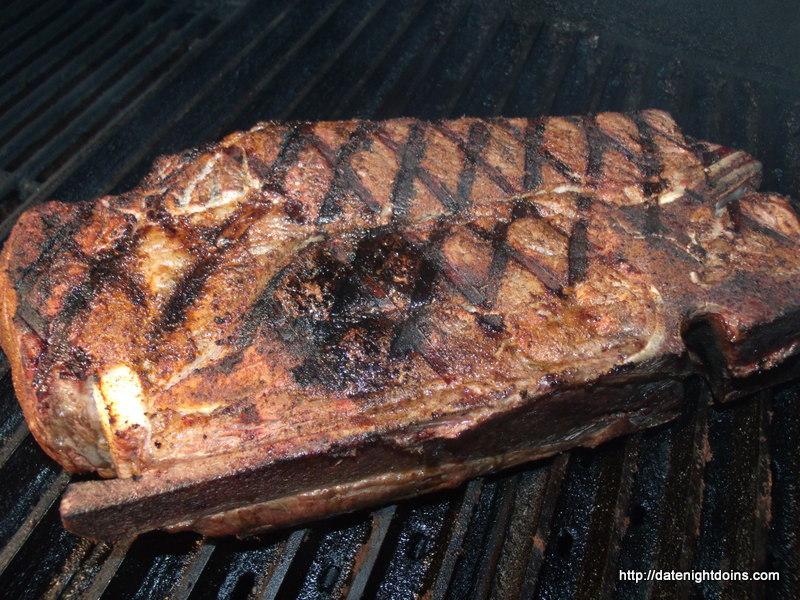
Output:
x,y
75,364
653,188
650,162
534,133
403,186
424,287
524,208
492,323
185,292
249,415
352,324
344,179
709,157
734,209
356,360
652,219
478,138
294,210
577,252
192,154
584,203
235,152
597,147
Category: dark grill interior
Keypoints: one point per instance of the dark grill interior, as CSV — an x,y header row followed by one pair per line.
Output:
x,y
91,92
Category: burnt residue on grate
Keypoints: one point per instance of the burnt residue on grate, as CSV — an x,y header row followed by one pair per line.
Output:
x,y
91,92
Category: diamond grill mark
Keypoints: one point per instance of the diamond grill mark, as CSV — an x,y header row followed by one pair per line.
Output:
x,y
344,178
478,138
577,251
410,158
409,154
473,154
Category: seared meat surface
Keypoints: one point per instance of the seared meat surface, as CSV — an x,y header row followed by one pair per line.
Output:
x,y
308,318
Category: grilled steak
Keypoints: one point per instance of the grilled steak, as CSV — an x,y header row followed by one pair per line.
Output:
x,y
309,318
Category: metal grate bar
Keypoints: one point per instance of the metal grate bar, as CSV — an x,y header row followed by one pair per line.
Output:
x,y
542,75
682,499
273,585
587,77
496,537
79,98
736,475
91,148
42,506
101,47
12,442
381,520
72,562
333,59
14,12
783,550
419,67
27,25
458,530
386,33
92,577
409,19
792,154
560,70
59,143
667,89
157,573
598,575
208,111
546,507
520,534
278,66
158,113
55,56
24,52
493,87
191,572
455,78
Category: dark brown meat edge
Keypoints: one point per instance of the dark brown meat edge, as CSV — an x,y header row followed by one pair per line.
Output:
x,y
368,471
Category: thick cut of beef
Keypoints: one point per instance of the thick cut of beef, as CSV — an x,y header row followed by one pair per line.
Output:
x,y
309,318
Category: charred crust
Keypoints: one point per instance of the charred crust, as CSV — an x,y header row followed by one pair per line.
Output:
x,y
344,179
650,162
493,324
577,253
294,210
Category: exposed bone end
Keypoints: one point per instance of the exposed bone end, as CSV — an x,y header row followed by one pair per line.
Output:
x,y
119,398
735,368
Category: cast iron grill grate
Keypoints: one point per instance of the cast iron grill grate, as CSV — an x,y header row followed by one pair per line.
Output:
x,y
91,92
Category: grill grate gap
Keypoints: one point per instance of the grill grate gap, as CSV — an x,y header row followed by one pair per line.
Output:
x,y
16,12
387,38
50,67
36,99
94,100
27,27
145,66
54,32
